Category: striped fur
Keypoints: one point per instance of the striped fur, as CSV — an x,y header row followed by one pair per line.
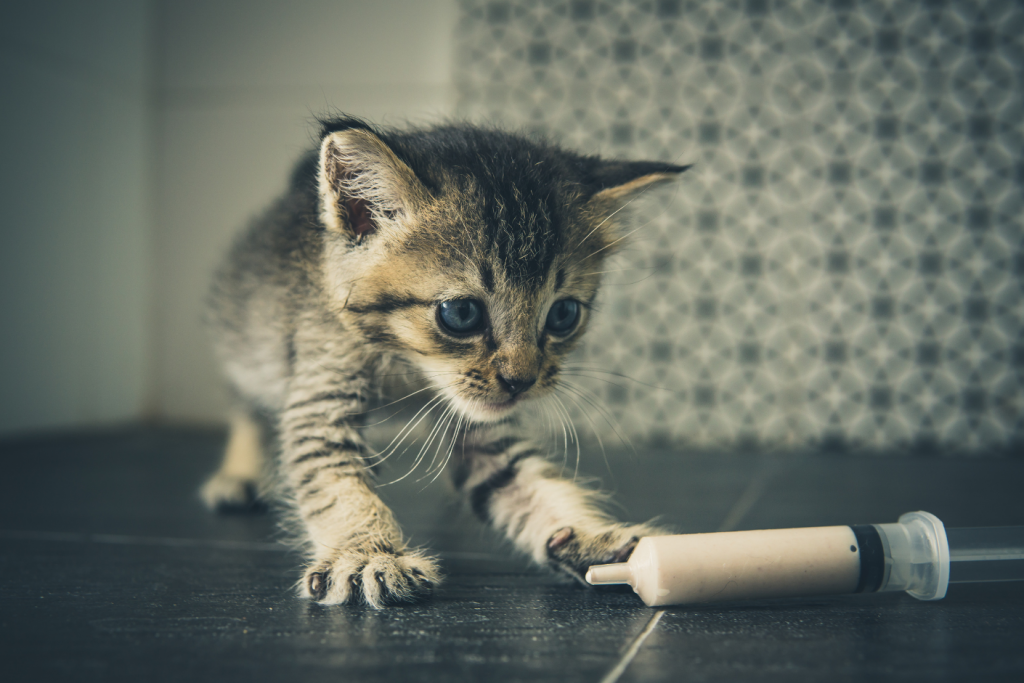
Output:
x,y
343,278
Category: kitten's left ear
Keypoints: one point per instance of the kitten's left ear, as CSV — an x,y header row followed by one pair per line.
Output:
x,y
364,187
613,182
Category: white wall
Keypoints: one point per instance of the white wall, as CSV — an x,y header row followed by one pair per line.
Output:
x,y
238,85
137,137
74,217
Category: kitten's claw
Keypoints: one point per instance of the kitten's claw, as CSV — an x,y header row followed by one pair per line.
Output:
x,y
560,538
227,494
625,551
317,585
376,579
573,552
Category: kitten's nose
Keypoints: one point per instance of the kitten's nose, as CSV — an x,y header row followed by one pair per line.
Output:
x,y
516,385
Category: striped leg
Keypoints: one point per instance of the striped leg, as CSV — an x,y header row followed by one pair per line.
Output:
x,y
559,524
357,551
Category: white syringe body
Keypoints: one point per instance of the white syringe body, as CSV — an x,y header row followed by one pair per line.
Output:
x,y
911,555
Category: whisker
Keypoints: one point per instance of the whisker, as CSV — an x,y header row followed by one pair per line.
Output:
x,y
397,400
406,430
423,448
552,427
377,424
588,396
632,199
632,282
547,408
580,366
438,430
451,448
454,412
610,216
593,427
565,437
549,425
599,225
417,373
428,406
576,437
614,242
599,379
616,270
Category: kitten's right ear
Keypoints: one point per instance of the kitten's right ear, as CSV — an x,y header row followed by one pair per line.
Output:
x,y
364,187
613,182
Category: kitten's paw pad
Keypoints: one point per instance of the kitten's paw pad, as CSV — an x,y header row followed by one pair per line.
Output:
x,y
225,493
376,579
573,552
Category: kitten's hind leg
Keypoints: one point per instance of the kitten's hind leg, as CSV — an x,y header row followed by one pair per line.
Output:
x,y
235,487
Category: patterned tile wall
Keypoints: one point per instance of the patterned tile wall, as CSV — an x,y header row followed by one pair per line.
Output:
x,y
843,267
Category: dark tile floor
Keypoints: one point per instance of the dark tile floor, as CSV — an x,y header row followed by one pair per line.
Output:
x,y
111,570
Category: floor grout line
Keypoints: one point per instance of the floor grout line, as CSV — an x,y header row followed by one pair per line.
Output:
x,y
743,504
120,539
737,512
627,658
751,494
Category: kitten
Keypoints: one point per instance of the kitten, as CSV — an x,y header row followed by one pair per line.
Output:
x,y
470,256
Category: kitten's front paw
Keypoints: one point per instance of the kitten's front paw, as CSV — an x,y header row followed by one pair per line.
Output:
x,y
574,551
227,494
377,579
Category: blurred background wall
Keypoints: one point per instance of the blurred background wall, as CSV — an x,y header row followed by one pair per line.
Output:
x,y
137,138
238,83
841,268
76,150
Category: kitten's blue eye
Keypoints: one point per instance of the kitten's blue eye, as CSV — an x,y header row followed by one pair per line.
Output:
x,y
563,316
461,316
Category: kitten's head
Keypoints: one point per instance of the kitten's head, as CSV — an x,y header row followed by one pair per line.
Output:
x,y
475,254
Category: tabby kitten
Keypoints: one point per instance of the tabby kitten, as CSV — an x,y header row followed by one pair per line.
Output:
x,y
470,256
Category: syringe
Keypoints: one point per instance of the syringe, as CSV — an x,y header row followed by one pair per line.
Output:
x,y
917,555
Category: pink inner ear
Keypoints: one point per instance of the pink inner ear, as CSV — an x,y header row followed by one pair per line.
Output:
x,y
359,217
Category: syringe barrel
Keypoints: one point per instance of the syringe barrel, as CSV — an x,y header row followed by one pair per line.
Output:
x,y
735,565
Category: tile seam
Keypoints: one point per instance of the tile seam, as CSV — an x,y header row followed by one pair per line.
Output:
x,y
634,647
750,495
123,539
